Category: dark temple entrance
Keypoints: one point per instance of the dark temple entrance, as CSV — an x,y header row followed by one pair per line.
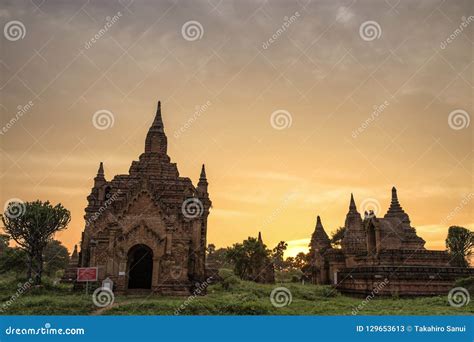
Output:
x,y
140,267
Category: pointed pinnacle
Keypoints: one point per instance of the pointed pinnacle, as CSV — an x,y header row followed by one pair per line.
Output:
x,y
203,172
394,195
158,121
352,204
101,169
319,232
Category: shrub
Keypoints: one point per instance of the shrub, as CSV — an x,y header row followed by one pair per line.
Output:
x,y
467,283
229,279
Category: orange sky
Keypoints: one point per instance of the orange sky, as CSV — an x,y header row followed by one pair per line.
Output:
x,y
367,111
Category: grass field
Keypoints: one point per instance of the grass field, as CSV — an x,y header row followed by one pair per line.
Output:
x,y
244,298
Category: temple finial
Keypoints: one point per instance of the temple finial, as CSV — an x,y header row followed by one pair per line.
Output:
x,y
394,194
202,184
100,171
156,141
352,204
203,173
99,179
158,122
395,209
260,237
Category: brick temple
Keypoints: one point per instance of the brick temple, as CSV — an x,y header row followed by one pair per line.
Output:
x,y
146,230
383,253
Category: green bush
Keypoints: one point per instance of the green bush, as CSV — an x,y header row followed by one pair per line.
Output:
x,y
288,276
229,279
467,283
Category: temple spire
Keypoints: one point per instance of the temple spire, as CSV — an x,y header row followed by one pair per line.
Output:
x,y
74,253
352,205
318,222
100,172
99,180
395,209
319,239
156,141
260,237
395,205
158,122
202,184
394,194
203,173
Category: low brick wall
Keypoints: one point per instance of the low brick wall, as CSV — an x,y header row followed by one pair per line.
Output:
x,y
400,281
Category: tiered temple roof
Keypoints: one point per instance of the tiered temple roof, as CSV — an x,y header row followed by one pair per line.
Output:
x,y
319,240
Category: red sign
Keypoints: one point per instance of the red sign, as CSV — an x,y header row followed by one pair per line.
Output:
x,y
87,274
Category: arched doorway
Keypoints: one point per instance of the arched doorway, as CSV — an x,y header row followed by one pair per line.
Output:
x,y
140,267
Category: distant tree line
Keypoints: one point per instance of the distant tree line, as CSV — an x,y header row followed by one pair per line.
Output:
x,y
244,257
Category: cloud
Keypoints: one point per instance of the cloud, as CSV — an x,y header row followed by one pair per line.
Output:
x,y
344,15
5,14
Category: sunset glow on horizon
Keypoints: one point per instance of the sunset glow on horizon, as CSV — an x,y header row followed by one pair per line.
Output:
x,y
289,122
